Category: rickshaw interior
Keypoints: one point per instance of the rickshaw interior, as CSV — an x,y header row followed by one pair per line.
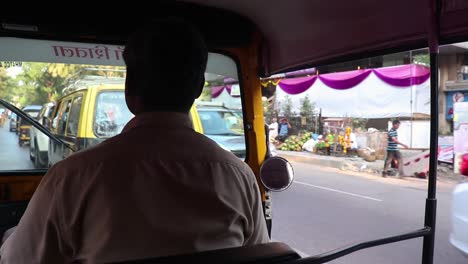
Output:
x,y
263,38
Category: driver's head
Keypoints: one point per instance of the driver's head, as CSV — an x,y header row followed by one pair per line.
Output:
x,y
166,62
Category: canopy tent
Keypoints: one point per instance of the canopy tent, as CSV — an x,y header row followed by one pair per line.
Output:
x,y
228,95
398,91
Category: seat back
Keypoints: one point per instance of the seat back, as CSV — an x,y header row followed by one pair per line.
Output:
x,y
270,253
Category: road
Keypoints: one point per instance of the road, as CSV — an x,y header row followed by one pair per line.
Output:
x,y
326,209
12,156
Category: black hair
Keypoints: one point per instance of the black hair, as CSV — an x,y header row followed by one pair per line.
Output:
x,y
166,62
396,122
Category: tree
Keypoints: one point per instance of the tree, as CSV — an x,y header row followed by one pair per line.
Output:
x,y
205,95
307,114
307,107
7,85
359,123
422,59
44,82
287,107
269,109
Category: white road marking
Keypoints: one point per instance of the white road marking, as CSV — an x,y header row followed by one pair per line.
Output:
x,y
338,191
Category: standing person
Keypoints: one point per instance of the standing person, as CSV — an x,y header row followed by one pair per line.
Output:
x,y
182,192
352,136
283,129
273,129
392,148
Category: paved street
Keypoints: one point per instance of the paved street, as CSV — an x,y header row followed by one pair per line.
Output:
x,y
326,209
12,156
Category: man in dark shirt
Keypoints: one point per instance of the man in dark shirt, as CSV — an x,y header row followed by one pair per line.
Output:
x,y
392,147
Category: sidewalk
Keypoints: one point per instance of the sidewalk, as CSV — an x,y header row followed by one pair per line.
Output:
x,y
342,163
356,164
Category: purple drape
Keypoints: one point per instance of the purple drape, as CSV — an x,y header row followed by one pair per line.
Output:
x,y
404,75
401,76
297,85
218,90
344,80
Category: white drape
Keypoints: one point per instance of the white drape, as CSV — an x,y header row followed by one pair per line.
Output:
x,y
372,98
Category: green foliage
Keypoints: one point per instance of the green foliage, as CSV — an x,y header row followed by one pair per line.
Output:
x,y
6,85
206,94
307,107
269,110
287,107
359,123
39,83
307,112
422,59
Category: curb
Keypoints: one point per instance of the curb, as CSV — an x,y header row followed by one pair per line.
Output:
x,y
312,160
373,168
338,163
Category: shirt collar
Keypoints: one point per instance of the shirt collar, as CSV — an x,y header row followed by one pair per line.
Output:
x,y
161,119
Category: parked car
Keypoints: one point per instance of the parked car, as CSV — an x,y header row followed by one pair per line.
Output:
x,y
13,122
92,112
39,146
224,126
24,127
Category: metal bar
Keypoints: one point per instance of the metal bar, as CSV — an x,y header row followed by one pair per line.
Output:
x,y
326,257
431,201
33,122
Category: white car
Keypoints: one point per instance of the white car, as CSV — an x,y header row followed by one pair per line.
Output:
x,y
459,235
39,143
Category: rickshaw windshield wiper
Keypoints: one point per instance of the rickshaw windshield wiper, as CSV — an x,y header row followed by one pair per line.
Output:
x,y
34,123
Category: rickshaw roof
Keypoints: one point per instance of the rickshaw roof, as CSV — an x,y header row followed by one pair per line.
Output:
x,y
303,33
295,34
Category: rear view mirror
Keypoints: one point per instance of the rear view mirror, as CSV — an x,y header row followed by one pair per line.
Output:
x,y
276,174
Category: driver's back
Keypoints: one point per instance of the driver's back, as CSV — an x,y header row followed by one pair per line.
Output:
x,y
159,188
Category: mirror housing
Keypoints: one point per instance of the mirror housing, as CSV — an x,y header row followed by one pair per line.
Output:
x,y
276,174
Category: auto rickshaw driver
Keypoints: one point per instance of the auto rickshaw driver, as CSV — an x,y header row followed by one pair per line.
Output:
x,y
157,189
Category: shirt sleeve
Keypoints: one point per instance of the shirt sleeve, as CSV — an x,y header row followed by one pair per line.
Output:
x,y
260,232
37,238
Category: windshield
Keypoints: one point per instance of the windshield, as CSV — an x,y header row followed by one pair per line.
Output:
x,y
32,113
86,83
222,122
111,114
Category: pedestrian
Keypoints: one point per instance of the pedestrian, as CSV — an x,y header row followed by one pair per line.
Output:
x,y
392,149
273,129
283,129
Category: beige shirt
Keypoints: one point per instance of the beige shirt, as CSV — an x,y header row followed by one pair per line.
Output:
x,y
157,189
